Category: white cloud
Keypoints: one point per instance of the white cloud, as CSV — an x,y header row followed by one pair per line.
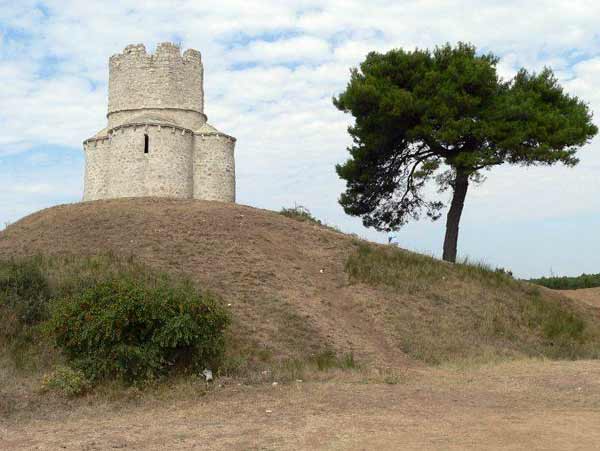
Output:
x,y
301,49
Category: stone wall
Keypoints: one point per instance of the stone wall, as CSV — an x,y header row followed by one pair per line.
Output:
x,y
97,155
165,171
214,167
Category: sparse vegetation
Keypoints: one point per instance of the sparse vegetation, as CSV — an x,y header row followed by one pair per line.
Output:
x,y
67,381
414,273
300,213
284,370
466,311
569,283
303,214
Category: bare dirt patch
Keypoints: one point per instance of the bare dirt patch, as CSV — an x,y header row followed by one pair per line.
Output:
x,y
516,405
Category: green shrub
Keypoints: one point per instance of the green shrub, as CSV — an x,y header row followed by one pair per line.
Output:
x,y
67,381
135,328
24,293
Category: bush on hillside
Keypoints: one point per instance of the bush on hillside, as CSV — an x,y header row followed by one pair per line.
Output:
x,y
67,381
300,213
24,296
135,329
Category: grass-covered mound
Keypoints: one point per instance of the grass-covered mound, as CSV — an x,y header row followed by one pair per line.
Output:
x,y
470,311
298,291
569,283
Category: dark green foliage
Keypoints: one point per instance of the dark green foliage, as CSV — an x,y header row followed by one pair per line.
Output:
x,y
569,283
111,317
445,115
24,293
24,298
137,328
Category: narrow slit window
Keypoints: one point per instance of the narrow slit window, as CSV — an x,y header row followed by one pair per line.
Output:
x,y
146,143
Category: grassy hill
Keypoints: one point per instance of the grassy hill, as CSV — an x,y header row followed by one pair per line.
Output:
x,y
297,289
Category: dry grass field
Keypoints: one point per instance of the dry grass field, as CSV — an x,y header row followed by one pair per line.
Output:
x,y
520,405
430,355
590,296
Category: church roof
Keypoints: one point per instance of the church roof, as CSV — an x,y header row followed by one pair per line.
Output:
x,y
101,134
208,129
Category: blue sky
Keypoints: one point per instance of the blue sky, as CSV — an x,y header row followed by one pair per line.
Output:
x,y
271,69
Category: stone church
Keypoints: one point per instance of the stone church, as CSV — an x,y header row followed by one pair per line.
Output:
x,y
158,141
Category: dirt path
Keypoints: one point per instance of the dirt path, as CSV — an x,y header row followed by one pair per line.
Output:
x,y
519,405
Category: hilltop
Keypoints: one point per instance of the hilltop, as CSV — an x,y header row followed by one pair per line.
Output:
x,y
428,353
295,288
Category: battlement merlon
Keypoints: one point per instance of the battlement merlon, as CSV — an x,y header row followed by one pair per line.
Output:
x,y
165,51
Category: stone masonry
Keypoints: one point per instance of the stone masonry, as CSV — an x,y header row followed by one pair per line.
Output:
x,y
157,142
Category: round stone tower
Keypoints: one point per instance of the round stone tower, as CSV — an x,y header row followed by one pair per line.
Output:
x,y
157,142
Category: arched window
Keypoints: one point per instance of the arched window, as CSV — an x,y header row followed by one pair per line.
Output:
x,y
146,143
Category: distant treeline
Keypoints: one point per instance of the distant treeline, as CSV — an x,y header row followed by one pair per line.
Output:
x,y
569,283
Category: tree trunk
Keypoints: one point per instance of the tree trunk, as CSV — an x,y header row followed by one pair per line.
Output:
x,y
461,184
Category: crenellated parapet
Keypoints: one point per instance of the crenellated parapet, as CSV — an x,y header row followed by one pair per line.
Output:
x,y
163,80
166,52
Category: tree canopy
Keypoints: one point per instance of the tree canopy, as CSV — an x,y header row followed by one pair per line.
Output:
x,y
444,116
